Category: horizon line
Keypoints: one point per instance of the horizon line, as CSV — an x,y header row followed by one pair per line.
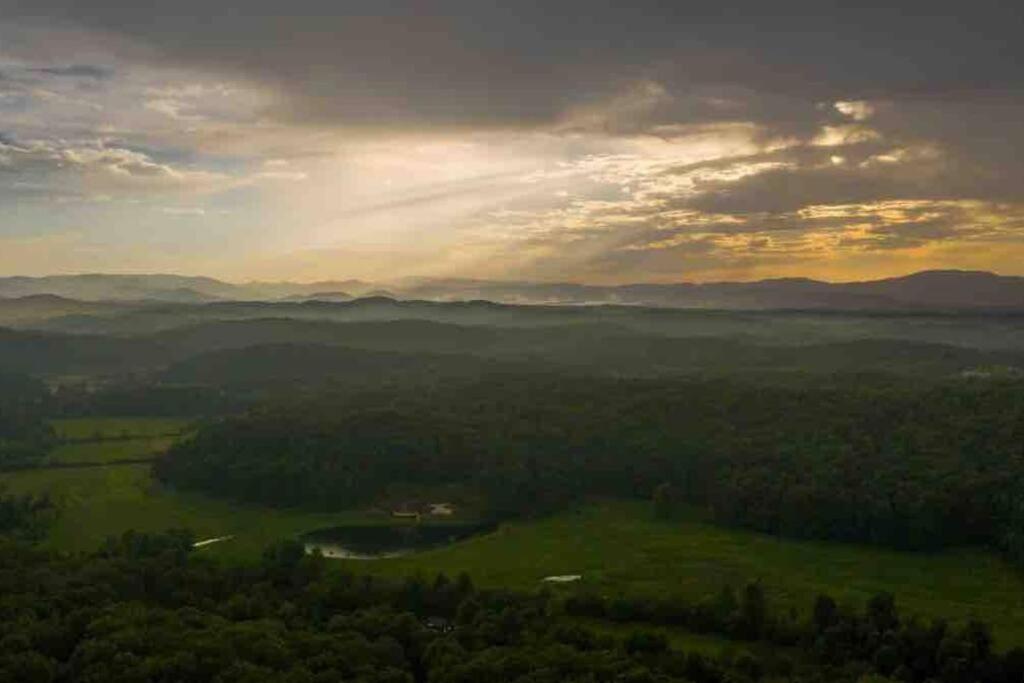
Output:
x,y
428,279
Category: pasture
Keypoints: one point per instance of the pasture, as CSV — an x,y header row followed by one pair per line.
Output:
x,y
98,502
618,547
100,428
109,451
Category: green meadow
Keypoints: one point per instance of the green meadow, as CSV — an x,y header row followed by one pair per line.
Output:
x,y
618,547
98,502
113,439
94,428
109,451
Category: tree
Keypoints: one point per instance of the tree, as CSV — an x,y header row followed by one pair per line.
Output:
x,y
645,642
726,605
753,610
665,501
825,613
881,612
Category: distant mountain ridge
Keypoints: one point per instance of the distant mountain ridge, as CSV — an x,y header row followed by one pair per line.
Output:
x,y
932,290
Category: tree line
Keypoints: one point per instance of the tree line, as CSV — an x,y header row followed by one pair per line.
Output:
x,y
25,436
851,460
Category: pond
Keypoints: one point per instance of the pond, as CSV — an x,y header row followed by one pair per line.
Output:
x,y
373,542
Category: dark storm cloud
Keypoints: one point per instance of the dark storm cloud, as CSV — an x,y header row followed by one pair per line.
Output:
x,y
472,62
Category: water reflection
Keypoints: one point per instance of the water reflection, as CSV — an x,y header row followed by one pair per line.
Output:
x,y
373,542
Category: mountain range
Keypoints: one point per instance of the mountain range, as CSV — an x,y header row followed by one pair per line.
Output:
x,y
935,289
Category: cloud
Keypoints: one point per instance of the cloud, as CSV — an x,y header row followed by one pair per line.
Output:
x,y
172,108
858,110
86,71
609,141
186,211
467,62
774,206
628,110
97,164
837,136
701,246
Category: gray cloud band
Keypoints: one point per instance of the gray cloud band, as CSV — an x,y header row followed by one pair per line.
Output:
x,y
472,63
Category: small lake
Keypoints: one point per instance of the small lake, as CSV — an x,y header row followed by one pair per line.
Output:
x,y
374,542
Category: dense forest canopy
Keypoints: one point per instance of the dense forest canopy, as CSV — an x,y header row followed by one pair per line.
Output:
x,y
867,461
144,608
24,433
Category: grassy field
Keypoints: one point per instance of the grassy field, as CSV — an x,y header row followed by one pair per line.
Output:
x,y
91,428
98,502
619,547
616,546
113,439
109,451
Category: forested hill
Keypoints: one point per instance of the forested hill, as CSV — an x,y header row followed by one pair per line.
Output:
x,y
987,328
204,353
281,366
854,461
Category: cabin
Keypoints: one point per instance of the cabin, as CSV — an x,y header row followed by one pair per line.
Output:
x,y
441,509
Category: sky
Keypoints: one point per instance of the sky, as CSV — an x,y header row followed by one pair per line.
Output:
x,y
603,142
